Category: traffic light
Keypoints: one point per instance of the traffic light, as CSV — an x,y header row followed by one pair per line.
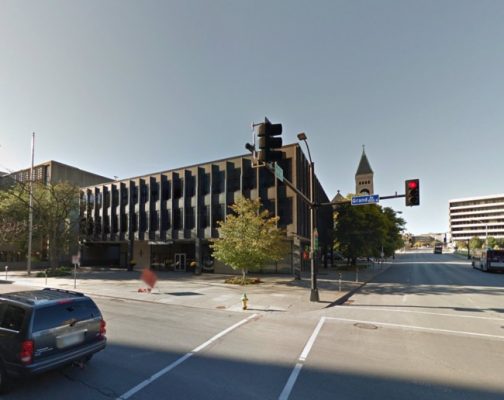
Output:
x,y
268,142
412,192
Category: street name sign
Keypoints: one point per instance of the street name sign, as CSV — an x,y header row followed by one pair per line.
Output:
x,y
369,199
279,172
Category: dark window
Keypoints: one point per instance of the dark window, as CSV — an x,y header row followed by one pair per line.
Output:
x,y
106,224
205,184
134,222
190,223
143,221
285,211
234,176
178,187
11,317
98,224
266,178
106,196
154,223
115,197
124,195
62,314
135,194
165,190
124,222
205,216
190,186
218,214
165,222
144,193
218,182
177,218
249,179
154,191
114,223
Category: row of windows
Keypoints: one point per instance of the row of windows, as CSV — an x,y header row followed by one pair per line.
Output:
x,y
174,219
185,186
477,202
471,229
473,223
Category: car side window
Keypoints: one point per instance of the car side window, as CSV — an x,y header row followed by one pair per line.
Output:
x,y
12,317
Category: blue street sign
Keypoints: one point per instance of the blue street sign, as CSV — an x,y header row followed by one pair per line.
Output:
x,y
370,199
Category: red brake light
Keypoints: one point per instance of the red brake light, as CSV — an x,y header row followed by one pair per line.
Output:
x,y
26,354
103,327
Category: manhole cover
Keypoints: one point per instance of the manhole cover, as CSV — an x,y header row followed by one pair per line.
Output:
x,y
365,326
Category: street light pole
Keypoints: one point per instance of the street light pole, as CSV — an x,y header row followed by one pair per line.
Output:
x,y
314,294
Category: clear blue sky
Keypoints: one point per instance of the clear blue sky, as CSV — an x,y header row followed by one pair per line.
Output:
x,y
132,87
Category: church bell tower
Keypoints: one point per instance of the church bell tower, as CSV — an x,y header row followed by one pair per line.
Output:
x,y
364,177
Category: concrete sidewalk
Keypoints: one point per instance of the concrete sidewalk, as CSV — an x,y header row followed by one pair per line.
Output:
x,y
280,293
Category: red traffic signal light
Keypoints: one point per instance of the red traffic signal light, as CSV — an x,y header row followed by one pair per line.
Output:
x,y
412,184
412,192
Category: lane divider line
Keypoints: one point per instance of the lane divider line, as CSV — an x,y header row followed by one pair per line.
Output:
x,y
302,358
419,328
179,361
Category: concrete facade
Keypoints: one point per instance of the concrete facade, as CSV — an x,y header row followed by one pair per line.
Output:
x,y
166,219
49,172
477,216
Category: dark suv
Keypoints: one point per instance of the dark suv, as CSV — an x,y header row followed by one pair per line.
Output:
x,y
41,330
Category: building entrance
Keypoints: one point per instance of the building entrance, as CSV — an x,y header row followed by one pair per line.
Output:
x,y
180,262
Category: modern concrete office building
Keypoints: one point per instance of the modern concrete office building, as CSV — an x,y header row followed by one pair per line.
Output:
x,y
166,219
54,172
477,216
49,172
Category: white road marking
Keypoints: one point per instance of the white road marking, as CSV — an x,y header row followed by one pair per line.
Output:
x,y
167,369
356,307
418,328
302,358
312,339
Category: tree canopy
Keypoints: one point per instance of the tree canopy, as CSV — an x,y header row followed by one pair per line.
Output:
x,y
249,238
55,217
363,231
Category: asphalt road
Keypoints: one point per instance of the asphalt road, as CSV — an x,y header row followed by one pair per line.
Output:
x,y
430,327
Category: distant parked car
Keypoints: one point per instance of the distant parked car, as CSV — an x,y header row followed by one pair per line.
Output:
x,y
41,330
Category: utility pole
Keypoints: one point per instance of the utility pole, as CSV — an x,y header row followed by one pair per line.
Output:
x,y
30,214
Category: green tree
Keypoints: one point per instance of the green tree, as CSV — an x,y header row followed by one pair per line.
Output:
x,y
476,243
363,231
249,238
491,242
55,217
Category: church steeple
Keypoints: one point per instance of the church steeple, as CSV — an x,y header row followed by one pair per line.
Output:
x,y
364,176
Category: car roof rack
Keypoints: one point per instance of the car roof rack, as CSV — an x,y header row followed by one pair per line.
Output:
x,y
65,291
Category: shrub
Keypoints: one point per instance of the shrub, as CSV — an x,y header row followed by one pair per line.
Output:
x,y
238,280
58,271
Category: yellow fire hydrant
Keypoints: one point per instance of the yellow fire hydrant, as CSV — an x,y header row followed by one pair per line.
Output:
x,y
244,301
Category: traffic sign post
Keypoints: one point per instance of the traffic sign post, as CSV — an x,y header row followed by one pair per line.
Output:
x,y
362,200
